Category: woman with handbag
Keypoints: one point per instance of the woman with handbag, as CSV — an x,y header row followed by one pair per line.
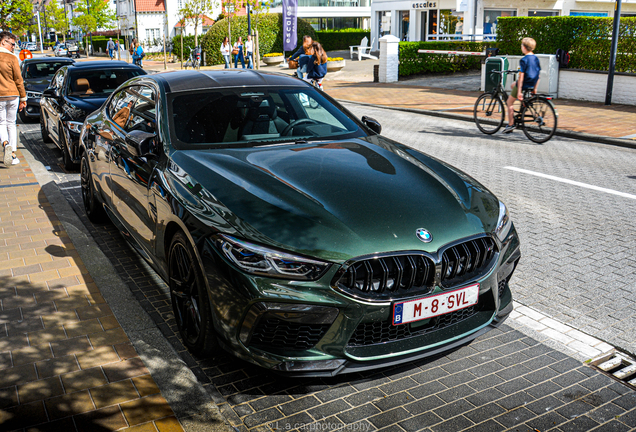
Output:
x,y
225,52
13,97
237,52
304,55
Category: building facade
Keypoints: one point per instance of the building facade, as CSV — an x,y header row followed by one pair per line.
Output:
x,y
417,20
332,14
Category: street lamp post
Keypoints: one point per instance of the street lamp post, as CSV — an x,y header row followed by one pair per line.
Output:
x,y
90,47
612,65
40,30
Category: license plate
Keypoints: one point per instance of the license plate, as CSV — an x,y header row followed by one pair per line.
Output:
x,y
440,304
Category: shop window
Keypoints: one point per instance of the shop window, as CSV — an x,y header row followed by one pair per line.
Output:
x,y
384,23
490,21
404,25
432,25
588,14
448,20
540,13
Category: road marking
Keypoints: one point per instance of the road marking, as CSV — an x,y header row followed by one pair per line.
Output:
x,y
71,187
572,182
456,108
630,136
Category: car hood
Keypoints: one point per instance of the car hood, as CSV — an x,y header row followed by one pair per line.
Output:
x,y
338,200
37,84
88,105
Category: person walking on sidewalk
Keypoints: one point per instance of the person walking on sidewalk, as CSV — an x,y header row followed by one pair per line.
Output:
x,y
238,48
110,46
249,49
12,96
225,52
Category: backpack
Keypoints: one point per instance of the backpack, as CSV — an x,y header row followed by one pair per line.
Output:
x,y
563,58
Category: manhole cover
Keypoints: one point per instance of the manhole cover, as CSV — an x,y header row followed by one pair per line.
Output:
x,y
617,365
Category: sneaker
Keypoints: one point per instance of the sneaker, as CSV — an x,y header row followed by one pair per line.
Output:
x,y
7,155
509,129
15,160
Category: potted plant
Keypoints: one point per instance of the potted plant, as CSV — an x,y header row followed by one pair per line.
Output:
x,y
334,64
273,59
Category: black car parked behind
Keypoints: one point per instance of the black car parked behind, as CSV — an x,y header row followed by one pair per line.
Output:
x,y
75,92
37,74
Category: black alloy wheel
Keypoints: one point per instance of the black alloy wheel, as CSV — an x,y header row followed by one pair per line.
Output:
x,y
190,302
24,118
93,208
45,134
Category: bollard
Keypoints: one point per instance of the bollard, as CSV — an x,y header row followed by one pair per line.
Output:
x,y
389,58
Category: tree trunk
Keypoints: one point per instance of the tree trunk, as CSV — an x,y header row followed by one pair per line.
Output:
x,y
257,52
181,47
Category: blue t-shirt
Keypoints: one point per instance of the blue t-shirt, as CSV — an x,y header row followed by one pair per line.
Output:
x,y
531,67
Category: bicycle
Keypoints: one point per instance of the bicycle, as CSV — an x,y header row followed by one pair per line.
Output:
x,y
195,59
536,116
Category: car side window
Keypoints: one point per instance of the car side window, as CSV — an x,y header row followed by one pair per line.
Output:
x,y
143,116
120,106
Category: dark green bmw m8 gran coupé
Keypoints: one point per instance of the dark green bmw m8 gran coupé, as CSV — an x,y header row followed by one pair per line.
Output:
x,y
291,233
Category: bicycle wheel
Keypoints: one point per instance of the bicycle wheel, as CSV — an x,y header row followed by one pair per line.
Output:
x,y
539,120
489,113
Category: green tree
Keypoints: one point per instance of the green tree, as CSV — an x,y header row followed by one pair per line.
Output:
x,y
94,14
57,18
16,16
193,12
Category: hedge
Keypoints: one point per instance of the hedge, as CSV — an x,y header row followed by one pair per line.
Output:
x,y
334,40
411,62
587,39
270,34
102,41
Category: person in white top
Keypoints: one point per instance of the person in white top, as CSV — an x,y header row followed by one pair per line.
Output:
x,y
249,49
225,51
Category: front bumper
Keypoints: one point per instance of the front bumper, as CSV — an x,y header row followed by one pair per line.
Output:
x,y
307,328
32,109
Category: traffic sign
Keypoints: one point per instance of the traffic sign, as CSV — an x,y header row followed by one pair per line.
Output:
x,y
25,54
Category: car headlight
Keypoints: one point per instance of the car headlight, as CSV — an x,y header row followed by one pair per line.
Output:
x,y
503,223
74,126
259,260
33,95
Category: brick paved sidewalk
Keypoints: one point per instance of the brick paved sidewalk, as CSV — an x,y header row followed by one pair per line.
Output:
x,y
65,362
615,121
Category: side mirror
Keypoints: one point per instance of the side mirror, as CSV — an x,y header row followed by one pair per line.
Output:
x,y
372,124
50,92
141,144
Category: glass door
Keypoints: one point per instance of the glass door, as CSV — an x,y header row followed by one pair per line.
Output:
x,y
423,20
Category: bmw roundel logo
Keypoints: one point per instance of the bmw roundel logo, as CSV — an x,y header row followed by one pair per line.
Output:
x,y
424,235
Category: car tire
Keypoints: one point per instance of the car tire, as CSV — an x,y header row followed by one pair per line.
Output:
x,y
45,134
69,165
24,118
93,208
189,295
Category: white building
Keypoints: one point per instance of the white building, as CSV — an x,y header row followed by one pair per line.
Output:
x,y
153,18
332,14
420,20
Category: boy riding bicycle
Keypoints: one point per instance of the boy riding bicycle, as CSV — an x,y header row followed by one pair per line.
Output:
x,y
530,68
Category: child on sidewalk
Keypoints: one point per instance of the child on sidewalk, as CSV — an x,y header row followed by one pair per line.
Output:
x,y
528,79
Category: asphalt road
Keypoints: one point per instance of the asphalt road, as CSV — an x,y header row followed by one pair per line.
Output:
x,y
576,266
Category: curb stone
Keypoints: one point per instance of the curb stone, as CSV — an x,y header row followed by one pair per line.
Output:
x,y
186,396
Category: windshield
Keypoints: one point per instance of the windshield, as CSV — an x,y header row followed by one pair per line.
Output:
x,y
43,70
242,116
98,83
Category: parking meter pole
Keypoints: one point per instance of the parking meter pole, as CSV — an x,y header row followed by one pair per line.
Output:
x,y
612,65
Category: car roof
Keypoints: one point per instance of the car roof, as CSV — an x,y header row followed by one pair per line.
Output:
x,y
107,64
49,60
178,81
